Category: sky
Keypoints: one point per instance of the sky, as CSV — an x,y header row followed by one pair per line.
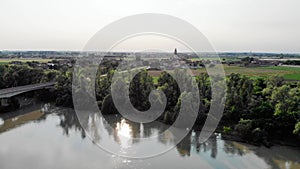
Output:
x,y
229,25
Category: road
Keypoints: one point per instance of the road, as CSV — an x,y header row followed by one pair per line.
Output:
x,y
9,92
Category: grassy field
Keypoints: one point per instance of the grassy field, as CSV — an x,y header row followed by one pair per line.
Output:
x,y
6,61
204,58
289,73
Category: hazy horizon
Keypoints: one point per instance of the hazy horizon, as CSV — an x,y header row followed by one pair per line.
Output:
x,y
132,51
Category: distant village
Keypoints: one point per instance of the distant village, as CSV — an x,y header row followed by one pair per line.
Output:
x,y
153,61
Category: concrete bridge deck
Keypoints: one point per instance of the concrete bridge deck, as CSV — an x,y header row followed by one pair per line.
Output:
x,y
13,91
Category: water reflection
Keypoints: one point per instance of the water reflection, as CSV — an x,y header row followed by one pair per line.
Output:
x,y
123,129
189,153
9,121
68,121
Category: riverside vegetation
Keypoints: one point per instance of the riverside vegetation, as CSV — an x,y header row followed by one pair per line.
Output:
x,y
257,110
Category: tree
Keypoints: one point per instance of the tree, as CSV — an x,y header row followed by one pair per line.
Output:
x,y
204,86
297,128
139,90
19,75
108,106
2,72
103,84
63,89
239,96
286,102
169,86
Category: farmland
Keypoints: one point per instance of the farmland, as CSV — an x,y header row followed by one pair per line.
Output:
x,y
289,73
6,61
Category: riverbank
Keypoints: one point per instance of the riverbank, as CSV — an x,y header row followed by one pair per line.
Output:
x,y
234,136
291,142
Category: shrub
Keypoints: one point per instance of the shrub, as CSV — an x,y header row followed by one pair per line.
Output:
x,y
226,129
244,128
258,135
297,128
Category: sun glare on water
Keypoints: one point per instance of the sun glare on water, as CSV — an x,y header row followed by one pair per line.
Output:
x,y
124,129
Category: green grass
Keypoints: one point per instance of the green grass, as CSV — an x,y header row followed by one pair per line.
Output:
x,y
202,58
155,79
292,77
3,63
6,61
207,58
283,68
289,73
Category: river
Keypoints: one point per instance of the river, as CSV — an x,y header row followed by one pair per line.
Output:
x,y
47,137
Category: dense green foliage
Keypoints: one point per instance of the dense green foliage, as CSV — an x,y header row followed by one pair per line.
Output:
x,y
12,75
63,89
292,62
139,90
262,107
257,109
19,75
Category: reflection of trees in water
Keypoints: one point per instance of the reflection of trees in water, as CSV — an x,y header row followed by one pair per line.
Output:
x,y
68,121
212,145
234,148
276,157
184,147
96,125
92,123
109,123
279,156
192,140
137,130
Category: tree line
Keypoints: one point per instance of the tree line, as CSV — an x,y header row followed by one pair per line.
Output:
x,y
256,109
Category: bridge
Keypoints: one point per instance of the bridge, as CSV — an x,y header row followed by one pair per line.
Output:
x,y
13,91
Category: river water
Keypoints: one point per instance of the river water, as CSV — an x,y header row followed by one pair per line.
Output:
x,y
47,137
